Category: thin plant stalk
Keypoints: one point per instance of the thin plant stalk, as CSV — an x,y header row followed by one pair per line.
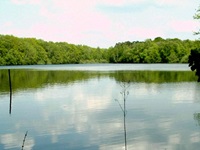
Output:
x,y
24,140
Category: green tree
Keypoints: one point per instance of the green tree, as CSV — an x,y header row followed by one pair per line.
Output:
x,y
194,62
152,54
194,57
197,16
28,51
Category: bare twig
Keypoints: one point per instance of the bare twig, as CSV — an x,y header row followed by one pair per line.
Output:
x,y
119,105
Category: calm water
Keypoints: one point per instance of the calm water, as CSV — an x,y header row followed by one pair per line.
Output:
x,y
81,107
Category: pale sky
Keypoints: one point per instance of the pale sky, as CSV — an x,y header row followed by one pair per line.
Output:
x,y
100,23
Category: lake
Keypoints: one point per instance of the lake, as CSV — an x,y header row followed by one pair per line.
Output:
x,y
99,107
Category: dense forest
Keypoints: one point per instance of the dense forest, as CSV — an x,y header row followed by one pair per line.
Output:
x,y
29,51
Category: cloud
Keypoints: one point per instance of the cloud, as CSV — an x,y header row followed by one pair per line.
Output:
x,y
100,22
70,21
183,25
121,2
144,33
23,2
7,24
172,3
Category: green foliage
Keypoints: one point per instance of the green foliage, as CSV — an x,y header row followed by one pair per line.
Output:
x,y
156,51
194,62
30,51
197,16
194,57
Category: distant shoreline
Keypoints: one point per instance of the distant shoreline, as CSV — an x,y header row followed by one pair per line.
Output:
x,y
31,51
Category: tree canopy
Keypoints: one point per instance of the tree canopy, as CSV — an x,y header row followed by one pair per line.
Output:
x,y
30,51
152,51
194,61
197,16
194,57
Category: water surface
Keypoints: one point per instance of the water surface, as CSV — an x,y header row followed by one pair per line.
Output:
x,y
79,107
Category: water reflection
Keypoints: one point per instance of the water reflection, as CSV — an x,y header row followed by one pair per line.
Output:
x,y
14,141
79,113
10,87
153,76
197,118
33,79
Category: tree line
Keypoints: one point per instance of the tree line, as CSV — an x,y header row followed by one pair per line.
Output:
x,y
30,51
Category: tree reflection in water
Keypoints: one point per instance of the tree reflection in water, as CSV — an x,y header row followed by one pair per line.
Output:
x,y
124,93
197,118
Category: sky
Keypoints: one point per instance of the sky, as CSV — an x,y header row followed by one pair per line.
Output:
x,y
99,23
